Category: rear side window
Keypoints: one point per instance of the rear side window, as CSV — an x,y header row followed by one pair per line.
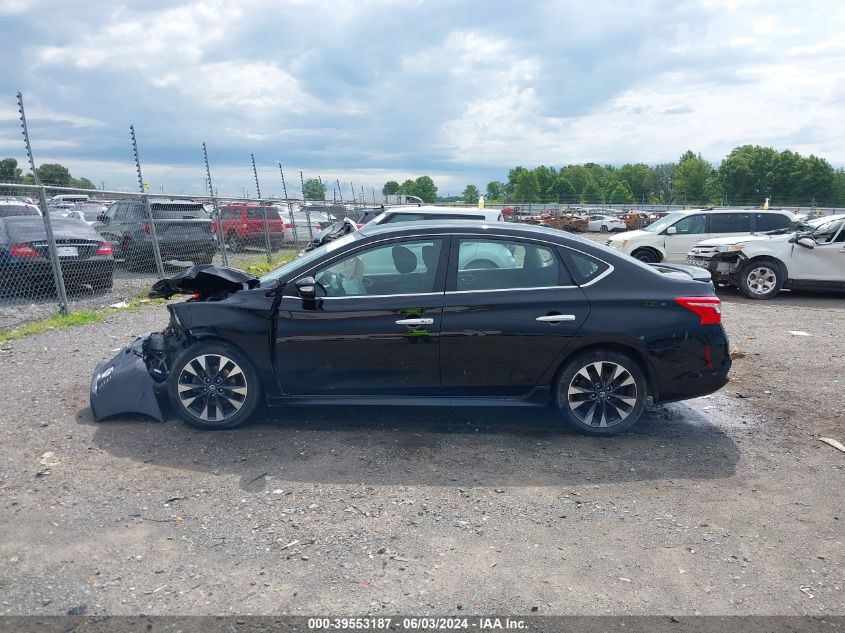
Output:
x,y
730,223
506,264
9,210
771,221
178,211
404,217
692,225
583,267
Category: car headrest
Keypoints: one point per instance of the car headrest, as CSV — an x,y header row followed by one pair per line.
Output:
x,y
429,255
404,259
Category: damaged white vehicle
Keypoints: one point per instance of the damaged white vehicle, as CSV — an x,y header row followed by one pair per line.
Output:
x,y
810,257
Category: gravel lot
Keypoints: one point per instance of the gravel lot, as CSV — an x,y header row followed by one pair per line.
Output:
x,y
728,504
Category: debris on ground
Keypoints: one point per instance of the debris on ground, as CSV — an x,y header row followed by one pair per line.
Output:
x,y
834,443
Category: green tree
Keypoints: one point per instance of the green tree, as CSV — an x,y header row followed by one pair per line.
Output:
x,y
578,175
54,174
591,193
747,174
527,188
545,181
618,193
640,179
313,189
664,182
425,188
391,188
407,188
563,190
513,176
9,170
690,179
82,183
495,190
687,155
470,194
837,189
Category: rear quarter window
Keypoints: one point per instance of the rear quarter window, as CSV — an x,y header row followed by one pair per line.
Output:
x,y
583,268
730,223
771,221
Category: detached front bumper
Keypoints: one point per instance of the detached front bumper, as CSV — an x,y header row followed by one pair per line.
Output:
x,y
125,384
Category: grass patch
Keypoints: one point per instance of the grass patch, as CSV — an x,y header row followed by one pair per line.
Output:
x,y
74,319
260,266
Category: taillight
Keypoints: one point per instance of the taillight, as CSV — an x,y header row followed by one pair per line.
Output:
x,y
147,229
23,250
708,309
105,249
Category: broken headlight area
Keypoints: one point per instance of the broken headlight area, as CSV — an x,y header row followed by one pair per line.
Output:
x,y
724,265
130,382
205,283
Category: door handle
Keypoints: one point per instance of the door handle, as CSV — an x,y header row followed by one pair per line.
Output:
x,y
415,322
556,318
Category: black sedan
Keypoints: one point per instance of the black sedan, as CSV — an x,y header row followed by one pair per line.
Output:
x,y
85,257
407,314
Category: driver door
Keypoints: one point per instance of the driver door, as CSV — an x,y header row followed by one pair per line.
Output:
x,y
825,262
374,327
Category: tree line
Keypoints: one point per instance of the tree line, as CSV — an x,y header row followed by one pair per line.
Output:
x,y
48,174
748,175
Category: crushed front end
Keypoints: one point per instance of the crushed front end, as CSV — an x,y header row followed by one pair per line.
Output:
x,y
723,262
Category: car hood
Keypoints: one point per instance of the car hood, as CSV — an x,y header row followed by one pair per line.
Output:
x,y
627,235
730,241
207,281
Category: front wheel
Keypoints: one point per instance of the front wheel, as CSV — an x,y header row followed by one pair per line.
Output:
x,y
601,392
761,279
213,385
604,228
646,255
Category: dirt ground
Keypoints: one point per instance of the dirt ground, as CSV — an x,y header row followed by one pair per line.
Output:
x,y
729,504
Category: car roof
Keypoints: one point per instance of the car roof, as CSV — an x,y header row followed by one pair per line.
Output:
x,y
438,209
463,226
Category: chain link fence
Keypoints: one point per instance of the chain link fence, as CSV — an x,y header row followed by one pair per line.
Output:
x,y
64,250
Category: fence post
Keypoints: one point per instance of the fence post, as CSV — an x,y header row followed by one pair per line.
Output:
x,y
264,211
290,208
58,276
147,208
307,211
216,205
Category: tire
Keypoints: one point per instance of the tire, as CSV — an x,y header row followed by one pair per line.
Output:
x,y
604,228
761,279
646,255
224,409
609,409
234,242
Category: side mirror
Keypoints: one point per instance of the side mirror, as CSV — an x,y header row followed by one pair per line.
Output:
x,y
671,230
307,288
806,242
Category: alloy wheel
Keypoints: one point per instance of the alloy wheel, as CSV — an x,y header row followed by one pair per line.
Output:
x,y
761,280
602,394
212,387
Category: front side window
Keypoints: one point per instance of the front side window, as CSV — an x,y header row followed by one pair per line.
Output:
x,y
408,267
830,232
730,223
504,264
692,225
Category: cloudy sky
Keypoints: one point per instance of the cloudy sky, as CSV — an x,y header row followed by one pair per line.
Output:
x,y
371,90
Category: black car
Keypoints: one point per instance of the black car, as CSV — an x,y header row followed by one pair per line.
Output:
x,y
183,228
392,315
85,257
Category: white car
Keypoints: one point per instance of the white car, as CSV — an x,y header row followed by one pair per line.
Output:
x,y
813,258
431,212
605,223
670,238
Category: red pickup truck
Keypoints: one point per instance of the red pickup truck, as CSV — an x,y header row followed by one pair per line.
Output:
x,y
243,224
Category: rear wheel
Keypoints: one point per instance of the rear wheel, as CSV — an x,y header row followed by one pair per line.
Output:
x,y
601,392
213,385
761,279
604,228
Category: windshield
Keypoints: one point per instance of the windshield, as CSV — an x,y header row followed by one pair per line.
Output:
x,y
664,222
303,260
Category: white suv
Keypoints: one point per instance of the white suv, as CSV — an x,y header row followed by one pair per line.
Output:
x,y
812,257
671,237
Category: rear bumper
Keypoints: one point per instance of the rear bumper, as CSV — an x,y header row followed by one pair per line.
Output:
x,y
75,272
693,368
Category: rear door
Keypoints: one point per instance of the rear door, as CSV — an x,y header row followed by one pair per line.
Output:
x,y
374,328
505,325
825,262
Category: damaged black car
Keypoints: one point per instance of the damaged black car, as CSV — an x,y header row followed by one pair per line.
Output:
x,y
436,313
